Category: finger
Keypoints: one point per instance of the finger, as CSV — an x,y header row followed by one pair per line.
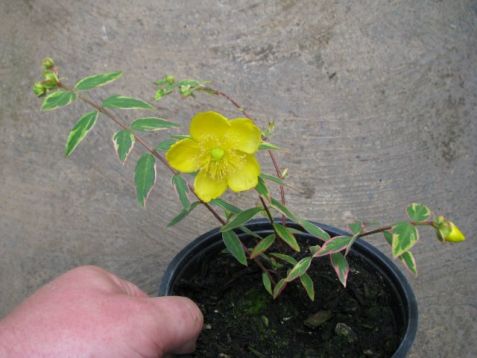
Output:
x,y
178,323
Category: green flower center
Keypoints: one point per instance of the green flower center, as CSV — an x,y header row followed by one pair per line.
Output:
x,y
217,153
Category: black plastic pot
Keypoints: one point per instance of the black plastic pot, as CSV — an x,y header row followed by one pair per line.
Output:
x,y
405,301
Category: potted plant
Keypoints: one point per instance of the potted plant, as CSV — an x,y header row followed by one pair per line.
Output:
x,y
270,283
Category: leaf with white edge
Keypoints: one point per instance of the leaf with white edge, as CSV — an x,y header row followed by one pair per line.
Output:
x,y
98,80
261,188
234,246
262,246
341,267
272,178
181,188
314,230
388,236
409,261
283,209
307,283
356,227
165,145
333,245
124,102
286,236
268,146
152,124
279,287
240,219
405,236
284,257
179,217
225,205
418,212
145,176
314,249
352,241
267,283
123,144
79,131
57,99
299,269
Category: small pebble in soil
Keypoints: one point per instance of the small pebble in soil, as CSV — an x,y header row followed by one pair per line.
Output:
x,y
345,331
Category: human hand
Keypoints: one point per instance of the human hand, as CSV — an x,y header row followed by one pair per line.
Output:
x,y
89,312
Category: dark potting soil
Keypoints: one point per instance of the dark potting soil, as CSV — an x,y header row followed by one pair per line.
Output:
x,y
242,320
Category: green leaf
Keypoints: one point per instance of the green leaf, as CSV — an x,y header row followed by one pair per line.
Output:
x,y
225,205
352,241
240,219
307,283
283,209
261,188
286,236
267,283
79,131
57,99
145,177
273,178
165,145
234,246
123,144
299,269
262,246
333,245
356,227
314,230
388,236
183,214
98,80
124,102
286,258
267,146
181,187
418,212
152,124
409,261
405,236
279,287
341,266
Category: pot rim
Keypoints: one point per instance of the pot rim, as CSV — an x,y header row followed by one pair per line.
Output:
x,y
363,248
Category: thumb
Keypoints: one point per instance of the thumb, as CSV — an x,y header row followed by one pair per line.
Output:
x,y
178,321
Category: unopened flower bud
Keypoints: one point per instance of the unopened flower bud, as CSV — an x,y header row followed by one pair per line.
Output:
x,y
39,89
48,63
170,79
448,231
51,76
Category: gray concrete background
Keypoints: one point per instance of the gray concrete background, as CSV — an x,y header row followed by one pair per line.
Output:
x,y
375,102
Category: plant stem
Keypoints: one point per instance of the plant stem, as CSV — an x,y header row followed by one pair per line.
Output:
x,y
389,227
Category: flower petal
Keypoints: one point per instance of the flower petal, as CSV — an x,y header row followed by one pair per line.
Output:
x,y
208,188
184,155
208,124
244,135
246,177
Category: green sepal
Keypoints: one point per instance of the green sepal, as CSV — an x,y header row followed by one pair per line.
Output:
x,y
262,246
79,131
299,269
234,246
97,80
152,124
405,236
307,283
181,188
57,99
123,102
145,177
240,219
287,236
123,141
418,212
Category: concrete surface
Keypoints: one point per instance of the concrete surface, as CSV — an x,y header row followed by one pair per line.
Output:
x,y
375,102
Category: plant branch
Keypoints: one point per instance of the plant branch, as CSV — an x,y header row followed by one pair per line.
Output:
x,y
389,227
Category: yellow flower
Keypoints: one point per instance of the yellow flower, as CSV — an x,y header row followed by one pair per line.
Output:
x,y
222,150
448,231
